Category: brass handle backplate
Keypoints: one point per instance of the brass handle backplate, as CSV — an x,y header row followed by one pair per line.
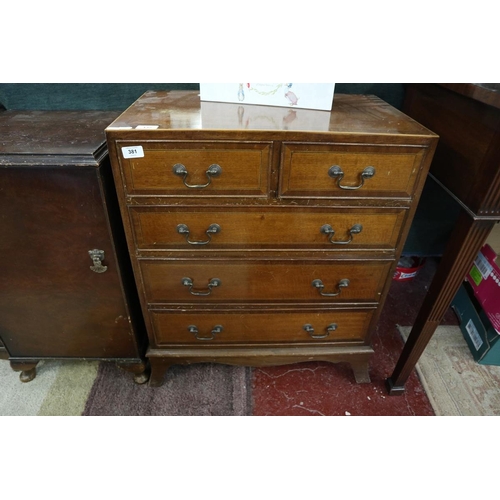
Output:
x,y
212,229
310,330
215,330
343,283
212,171
97,257
329,231
336,172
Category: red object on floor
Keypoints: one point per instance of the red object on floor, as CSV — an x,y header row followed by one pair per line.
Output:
x,y
408,268
320,388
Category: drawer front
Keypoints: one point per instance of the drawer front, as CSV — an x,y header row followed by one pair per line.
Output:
x,y
326,171
237,327
182,229
198,169
257,281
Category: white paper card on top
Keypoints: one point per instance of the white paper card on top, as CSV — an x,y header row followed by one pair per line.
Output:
x,y
290,95
133,152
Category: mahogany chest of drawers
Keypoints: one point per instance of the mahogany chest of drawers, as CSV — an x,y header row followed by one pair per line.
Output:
x,y
264,235
66,284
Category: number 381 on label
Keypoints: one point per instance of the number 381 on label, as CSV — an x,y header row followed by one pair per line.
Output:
x,y
133,152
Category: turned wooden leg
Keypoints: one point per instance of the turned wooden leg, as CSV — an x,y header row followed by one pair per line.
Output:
x,y
158,369
465,242
28,370
141,371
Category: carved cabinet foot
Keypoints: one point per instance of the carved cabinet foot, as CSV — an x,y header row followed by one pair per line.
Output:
x,y
158,370
28,370
361,372
141,371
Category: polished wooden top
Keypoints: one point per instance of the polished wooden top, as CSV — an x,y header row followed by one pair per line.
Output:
x,y
487,93
50,133
183,110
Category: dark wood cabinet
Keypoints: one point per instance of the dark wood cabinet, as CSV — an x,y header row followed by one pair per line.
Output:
x,y
66,284
263,235
467,167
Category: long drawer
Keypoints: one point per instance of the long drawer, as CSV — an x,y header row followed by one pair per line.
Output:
x,y
260,281
233,327
336,171
173,228
196,168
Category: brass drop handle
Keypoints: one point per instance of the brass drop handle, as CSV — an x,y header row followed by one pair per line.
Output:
x,y
97,257
337,173
343,283
213,283
212,171
215,330
310,330
329,231
212,229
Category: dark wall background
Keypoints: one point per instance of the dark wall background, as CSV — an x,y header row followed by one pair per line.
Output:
x,y
118,96
436,212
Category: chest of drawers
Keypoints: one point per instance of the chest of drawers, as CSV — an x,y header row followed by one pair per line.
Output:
x,y
66,283
263,235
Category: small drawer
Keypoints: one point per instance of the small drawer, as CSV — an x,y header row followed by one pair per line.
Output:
x,y
183,229
205,328
226,281
330,171
197,169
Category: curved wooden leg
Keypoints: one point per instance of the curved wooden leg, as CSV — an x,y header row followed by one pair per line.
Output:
x,y
158,370
141,371
28,370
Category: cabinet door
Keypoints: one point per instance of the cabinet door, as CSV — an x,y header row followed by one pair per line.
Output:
x,y
52,304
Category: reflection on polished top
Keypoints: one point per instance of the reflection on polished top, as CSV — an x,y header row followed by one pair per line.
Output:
x,y
183,110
